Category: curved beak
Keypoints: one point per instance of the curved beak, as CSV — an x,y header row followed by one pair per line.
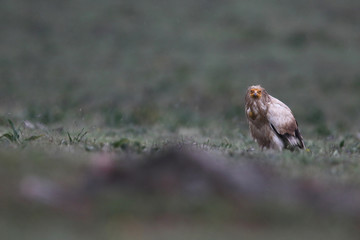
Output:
x,y
255,94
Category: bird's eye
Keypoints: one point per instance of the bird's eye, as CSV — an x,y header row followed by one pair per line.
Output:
x,y
251,91
259,91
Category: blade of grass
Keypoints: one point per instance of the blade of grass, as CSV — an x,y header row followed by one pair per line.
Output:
x,y
70,139
15,132
9,136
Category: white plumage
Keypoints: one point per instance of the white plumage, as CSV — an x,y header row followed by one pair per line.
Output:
x,y
271,122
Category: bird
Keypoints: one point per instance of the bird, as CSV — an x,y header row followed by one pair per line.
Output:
x,y
271,122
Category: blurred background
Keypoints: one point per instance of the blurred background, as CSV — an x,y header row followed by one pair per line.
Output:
x,y
136,76
179,62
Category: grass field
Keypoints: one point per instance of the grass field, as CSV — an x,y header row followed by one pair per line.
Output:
x,y
94,91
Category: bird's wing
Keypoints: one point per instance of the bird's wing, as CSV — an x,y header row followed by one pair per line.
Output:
x,y
283,123
280,116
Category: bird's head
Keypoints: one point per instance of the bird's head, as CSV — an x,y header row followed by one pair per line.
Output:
x,y
255,92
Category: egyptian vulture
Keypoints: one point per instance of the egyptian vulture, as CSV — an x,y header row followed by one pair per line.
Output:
x,y
271,122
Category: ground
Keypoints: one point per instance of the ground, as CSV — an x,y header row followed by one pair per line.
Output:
x,y
87,87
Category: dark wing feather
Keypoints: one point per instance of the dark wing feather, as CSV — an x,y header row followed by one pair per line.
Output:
x,y
286,139
283,123
298,136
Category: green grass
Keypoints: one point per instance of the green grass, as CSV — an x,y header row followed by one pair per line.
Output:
x,y
129,79
54,159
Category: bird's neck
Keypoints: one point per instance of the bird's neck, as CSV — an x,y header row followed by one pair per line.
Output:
x,y
258,105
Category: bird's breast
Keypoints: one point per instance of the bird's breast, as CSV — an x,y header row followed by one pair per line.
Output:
x,y
252,113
